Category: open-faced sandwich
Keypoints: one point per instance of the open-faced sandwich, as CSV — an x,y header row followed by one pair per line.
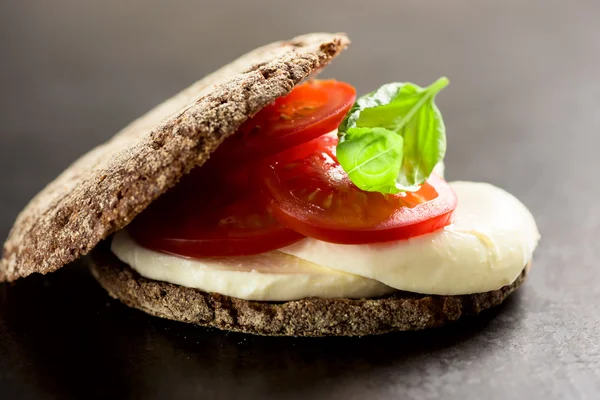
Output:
x,y
260,201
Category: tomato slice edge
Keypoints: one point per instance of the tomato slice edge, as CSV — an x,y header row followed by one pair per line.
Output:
x,y
340,97
311,220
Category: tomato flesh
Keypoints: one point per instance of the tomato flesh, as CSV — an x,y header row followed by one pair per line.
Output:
x,y
307,112
207,217
314,196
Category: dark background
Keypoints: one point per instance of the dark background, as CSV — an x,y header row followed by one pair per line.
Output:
x,y
522,112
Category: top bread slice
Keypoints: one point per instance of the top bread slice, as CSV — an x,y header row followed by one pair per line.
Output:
x,y
106,188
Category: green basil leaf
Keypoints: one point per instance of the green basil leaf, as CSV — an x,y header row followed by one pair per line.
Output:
x,y
372,158
407,111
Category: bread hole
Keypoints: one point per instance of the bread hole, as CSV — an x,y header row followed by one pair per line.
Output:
x,y
267,73
158,144
255,67
294,44
163,293
329,48
62,218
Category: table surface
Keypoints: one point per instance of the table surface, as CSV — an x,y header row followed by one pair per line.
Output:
x,y
522,112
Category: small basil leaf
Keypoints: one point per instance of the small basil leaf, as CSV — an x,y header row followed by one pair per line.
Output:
x,y
372,158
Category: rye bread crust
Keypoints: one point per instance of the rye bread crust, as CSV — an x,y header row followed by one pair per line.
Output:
x,y
401,311
106,188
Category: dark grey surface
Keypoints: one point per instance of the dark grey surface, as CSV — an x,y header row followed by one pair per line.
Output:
x,y
522,112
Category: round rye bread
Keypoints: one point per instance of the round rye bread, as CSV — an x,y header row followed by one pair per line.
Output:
x,y
106,188
400,311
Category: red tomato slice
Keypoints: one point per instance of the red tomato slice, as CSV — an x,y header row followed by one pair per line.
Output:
x,y
310,110
205,216
314,196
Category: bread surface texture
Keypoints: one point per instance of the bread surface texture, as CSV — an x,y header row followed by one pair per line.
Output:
x,y
106,188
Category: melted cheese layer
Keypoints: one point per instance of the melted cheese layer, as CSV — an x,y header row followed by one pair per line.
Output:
x,y
491,239
273,276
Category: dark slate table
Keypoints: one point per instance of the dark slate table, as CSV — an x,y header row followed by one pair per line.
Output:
x,y
522,112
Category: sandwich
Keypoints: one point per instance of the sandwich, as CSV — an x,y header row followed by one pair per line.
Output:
x,y
266,201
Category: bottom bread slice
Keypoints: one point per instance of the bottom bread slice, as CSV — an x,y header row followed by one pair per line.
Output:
x,y
400,311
